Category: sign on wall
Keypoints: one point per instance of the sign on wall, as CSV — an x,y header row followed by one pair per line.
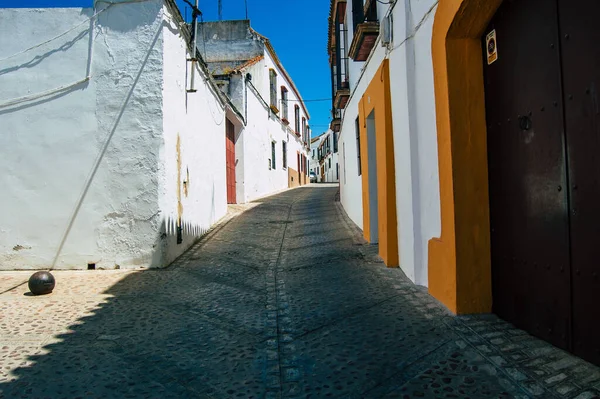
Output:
x,y
492,47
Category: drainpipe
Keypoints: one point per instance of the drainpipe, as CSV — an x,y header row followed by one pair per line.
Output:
x,y
194,59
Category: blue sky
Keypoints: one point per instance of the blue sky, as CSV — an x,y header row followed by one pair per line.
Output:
x,y
297,30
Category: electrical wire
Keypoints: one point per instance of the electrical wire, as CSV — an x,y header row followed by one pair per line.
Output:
x,y
203,35
110,4
308,101
55,37
417,27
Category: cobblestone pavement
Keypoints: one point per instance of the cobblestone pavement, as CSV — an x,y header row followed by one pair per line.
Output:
x,y
282,301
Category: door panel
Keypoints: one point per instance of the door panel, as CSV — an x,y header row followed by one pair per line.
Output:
x,y
230,162
528,197
580,38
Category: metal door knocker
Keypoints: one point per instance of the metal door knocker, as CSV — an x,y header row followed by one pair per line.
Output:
x,y
525,123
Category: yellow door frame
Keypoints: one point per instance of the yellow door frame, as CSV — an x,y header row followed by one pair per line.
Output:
x,y
460,260
377,98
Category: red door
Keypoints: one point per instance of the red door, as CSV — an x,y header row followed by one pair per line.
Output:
x,y
299,171
230,162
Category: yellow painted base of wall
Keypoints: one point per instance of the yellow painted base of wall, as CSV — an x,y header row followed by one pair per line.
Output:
x,y
293,180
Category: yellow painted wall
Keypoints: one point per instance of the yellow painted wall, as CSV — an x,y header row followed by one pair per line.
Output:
x,y
377,97
293,178
460,261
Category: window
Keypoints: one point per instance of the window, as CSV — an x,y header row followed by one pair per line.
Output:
x,y
284,103
307,165
313,152
357,127
335,142
273,154
344,157
297,117
284,150
273,85
337,171
329,163
304,129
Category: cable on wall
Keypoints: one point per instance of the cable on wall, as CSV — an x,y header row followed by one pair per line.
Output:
x,y
418,26
110,4
37,96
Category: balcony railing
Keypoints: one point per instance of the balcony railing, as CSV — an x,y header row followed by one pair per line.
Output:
x,y
342,95
366,29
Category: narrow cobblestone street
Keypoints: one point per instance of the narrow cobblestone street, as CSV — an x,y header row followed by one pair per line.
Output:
x,y
284,300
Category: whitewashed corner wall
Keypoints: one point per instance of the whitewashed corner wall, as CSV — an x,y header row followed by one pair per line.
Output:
x,y
192,172
50,145
415,137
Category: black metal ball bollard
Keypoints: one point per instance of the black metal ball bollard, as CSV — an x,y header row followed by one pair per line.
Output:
x,y
41,283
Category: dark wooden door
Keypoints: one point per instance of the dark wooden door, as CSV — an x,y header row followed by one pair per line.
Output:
x,y
580,47
527,176
230,162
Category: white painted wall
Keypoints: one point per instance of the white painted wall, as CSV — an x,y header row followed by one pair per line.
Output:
x,y
415,139
198,121
48,146
332,176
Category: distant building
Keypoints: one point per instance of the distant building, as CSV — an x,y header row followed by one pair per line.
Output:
x,y
314,164
271,150
328,157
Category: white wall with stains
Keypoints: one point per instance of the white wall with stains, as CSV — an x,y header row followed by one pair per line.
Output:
x,y
135,95
192,172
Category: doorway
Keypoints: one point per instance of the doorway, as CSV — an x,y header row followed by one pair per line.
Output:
x,y
372,165
230,162
541,71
